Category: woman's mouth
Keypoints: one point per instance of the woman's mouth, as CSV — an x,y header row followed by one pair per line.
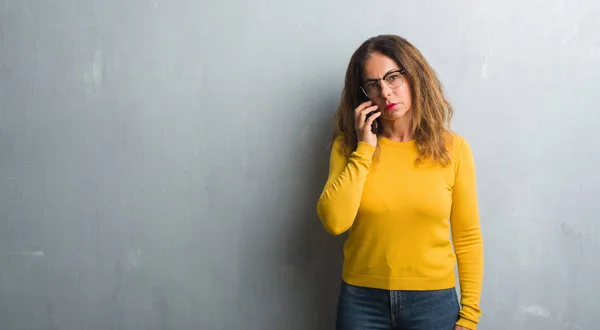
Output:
x,y
391,106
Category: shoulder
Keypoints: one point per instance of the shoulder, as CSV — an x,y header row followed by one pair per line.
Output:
x,y
337,147
337,143
458,146
338,139
456,142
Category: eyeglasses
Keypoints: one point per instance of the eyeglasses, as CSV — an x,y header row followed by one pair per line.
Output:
x,y
392,79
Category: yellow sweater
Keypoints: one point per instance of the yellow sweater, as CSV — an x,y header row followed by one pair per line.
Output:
x,y
400,218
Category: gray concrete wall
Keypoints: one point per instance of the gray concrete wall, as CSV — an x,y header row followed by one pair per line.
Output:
x,y
160,160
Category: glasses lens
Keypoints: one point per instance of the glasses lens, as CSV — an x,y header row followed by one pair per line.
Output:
x,y
394,80
371,88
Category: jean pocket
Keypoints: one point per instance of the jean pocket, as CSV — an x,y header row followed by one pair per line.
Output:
x,y
357,291
352,289
434,299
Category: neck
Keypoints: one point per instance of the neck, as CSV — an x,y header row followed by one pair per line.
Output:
x,y
399,130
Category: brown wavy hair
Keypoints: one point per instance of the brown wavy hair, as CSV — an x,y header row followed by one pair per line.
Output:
x,y
431,110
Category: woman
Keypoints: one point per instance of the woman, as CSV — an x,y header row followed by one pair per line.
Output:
x,y
402,184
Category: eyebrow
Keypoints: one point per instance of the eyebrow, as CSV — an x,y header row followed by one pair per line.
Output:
x,y
375,79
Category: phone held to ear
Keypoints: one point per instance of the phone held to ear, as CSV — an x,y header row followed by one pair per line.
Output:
x,y
375,122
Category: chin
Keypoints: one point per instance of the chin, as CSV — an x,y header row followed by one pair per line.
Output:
x,y
395,114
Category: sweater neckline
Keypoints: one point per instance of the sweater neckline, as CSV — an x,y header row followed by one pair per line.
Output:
x,y
386,141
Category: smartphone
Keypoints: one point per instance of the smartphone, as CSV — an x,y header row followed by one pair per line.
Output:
x,y
375,124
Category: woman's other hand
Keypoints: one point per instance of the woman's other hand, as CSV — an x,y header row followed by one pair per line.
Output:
x,y
459,327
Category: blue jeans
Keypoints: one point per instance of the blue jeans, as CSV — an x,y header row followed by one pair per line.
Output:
x,y
362,308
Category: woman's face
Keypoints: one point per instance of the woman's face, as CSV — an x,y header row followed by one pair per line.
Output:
x,y
394,102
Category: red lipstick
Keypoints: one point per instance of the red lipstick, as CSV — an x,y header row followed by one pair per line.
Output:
x,y
391,106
